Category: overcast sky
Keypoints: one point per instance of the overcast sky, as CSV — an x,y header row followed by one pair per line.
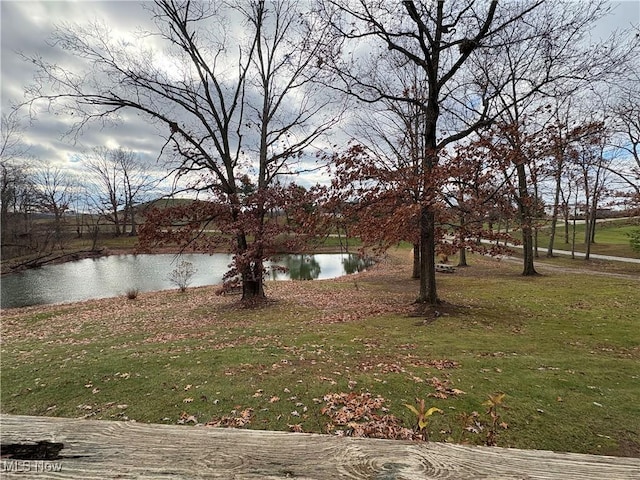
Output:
x,y
27,25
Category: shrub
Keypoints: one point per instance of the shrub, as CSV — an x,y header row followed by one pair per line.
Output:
x,y
182,275
132,293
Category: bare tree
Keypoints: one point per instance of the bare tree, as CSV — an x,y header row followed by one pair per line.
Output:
x,y
106,186
117,183
56,192
569,131
514,52
237,109
592,162
136,184
182,275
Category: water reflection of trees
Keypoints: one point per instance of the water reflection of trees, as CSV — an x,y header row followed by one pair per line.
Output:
x,y
302,267
306,267
356,263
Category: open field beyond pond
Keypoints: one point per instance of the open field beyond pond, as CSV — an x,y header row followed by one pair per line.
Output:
x,y
347,355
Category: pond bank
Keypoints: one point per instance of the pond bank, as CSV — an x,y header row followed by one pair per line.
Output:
x,y
12,266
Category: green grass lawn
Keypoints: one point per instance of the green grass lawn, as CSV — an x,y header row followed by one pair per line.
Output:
x,y
612,238
563,347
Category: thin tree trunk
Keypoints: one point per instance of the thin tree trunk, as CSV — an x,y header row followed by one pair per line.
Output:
x,y
566,224
554,214
573,231
134,229
506,230
462,252
593,221
587,253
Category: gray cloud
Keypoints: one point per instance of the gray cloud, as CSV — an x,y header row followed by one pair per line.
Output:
x,y
26,29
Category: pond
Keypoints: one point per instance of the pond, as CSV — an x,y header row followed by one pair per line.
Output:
x,y
112,276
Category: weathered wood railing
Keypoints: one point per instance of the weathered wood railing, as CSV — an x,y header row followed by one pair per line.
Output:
x,y
94,449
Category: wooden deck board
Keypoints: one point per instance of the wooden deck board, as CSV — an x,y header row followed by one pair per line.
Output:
x,y
96,449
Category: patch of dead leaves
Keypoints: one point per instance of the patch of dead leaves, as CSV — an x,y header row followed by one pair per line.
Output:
x,y
443,388
361,415
237,419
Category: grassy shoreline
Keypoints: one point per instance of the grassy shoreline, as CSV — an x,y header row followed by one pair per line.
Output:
x,y
563,347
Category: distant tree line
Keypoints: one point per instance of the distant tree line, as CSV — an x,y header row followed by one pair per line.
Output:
x,y
43,207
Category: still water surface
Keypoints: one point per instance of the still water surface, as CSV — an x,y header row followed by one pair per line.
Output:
x,y
113,275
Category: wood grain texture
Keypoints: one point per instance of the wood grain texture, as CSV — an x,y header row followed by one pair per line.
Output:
x,y
97,449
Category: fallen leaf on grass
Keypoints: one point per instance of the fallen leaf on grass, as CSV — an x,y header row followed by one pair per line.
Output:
x,y
234,420
186,418
443,364
330,380
443,388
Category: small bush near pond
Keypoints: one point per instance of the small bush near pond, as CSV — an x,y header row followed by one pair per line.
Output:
x,y
182,275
